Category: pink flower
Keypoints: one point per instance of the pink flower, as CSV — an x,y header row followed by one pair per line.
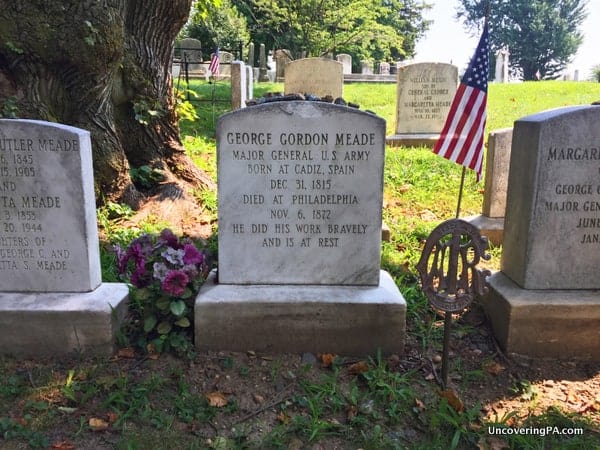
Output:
x,y
175,282
192,255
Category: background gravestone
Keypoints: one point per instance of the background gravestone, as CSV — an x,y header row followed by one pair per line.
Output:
x,y
49,252
300,198
346,61
497,161
318,76
425,94
190,51
282,58
545,300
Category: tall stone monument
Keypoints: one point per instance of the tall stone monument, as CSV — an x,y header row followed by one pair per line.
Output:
x,y
546,299
425,94
300,198
52,300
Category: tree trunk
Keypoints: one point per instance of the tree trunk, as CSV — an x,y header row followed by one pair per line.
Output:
x,y
93,64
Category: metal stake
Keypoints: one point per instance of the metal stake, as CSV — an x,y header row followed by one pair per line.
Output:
x,y
446,350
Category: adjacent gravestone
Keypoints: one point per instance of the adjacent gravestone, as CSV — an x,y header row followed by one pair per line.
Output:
x,y
49,250
491,221
384,68
425,94
300,198
545,301
318,76
346,61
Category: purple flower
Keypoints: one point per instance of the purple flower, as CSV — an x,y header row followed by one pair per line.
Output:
x,y
192,255
175,282
169,238
140,278
135,254
191,271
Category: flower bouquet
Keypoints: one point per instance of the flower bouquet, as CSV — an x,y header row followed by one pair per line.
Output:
x,y
165,273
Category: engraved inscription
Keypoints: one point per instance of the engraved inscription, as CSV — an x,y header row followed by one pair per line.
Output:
x,y
578,202
25,212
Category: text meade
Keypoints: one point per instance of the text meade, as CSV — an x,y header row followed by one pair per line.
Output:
x,y
355,139
33,201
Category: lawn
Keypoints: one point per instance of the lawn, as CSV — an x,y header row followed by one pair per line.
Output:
x,y
224,400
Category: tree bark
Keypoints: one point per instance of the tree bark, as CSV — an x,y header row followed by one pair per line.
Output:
x,y
89,64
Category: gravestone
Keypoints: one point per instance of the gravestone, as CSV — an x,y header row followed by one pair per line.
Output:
x,y
191,53
251,59
249,82
346,61
225,60
262,64
491,220
282,58
318,76
366,67
49,252
425,94
546,299
300,198
501,69
239,89
384,68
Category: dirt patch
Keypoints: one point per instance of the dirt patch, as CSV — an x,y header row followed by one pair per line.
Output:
x,y
254,400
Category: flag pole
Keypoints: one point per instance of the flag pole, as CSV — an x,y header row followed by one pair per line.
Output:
x,y
448,314
460,191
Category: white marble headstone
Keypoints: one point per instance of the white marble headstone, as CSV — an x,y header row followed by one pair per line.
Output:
x,y
425,93
49,236
552,222
300,194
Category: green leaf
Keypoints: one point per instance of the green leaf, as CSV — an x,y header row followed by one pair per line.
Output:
x,y
178,307
149,323
187,293
164,328
141,294
184,322
163,303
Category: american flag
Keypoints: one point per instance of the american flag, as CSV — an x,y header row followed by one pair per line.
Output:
x,y
461,139
214,63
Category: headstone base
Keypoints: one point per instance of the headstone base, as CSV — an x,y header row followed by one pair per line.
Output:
x,y
412,140
559,324
346,320
51,324
491,227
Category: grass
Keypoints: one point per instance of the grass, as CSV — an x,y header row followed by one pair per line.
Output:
x,y
353,403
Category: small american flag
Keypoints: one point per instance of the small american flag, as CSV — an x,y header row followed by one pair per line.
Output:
x,y
214,63
461,139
